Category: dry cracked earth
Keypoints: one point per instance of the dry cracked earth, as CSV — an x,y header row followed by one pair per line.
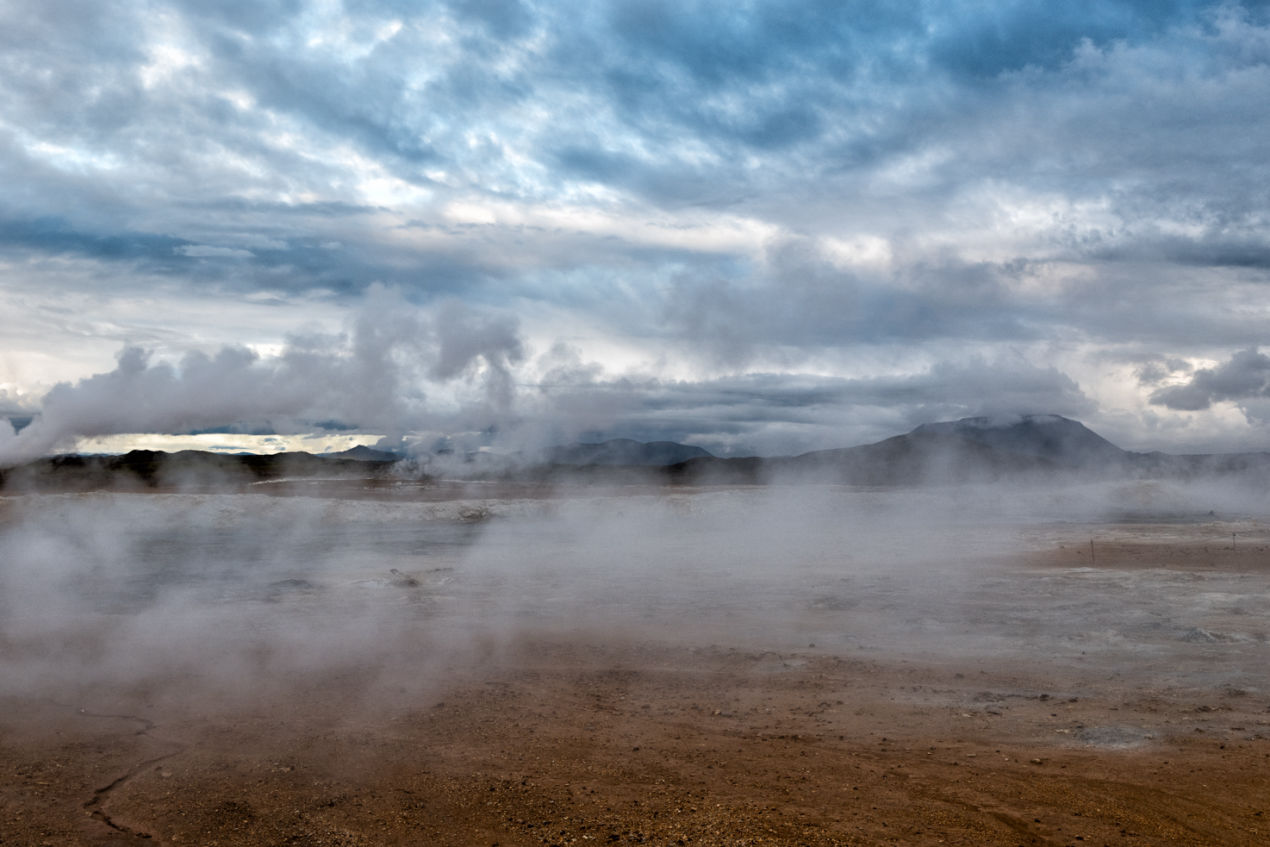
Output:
x,y
580,733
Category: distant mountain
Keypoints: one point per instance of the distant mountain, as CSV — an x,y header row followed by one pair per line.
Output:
x,y
362,453
186,469
980,449
1054,438
624,451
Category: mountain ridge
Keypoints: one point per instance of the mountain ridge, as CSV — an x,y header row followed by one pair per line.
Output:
x,y
976,449
625,451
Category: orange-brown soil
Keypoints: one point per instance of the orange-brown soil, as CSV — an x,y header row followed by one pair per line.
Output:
x,y
605,738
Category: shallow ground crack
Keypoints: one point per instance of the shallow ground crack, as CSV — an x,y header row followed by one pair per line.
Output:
x,y
94,804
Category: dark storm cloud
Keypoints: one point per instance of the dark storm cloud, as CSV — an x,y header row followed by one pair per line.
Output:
x,y
996,387
56,236
330,209
1244,377
670,187
799,298
811,89
247,16
1014,36
503,18
676,173
1154,369
1218,251
781,412
286,262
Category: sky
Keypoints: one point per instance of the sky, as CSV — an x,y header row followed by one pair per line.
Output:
x,y
758,227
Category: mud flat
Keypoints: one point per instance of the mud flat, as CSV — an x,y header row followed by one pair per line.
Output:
x,y
707,668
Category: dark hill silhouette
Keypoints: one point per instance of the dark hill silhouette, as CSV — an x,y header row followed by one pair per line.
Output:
x,y
624,451
363,453
186,469
1060,440
977,449
969,450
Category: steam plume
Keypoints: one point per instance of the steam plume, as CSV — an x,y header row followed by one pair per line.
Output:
x,y
373,377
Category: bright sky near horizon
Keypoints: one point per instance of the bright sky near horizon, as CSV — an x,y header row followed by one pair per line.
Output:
x,y
754,226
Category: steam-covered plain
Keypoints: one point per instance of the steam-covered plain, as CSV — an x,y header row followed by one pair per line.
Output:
x,y
327,622
107,589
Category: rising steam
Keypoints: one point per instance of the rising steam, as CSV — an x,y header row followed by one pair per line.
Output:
x,y
377,376
227,593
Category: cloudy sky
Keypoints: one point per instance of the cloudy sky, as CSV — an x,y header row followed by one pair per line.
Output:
x,y
755,226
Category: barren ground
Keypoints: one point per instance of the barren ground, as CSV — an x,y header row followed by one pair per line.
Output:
x,y
587,734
